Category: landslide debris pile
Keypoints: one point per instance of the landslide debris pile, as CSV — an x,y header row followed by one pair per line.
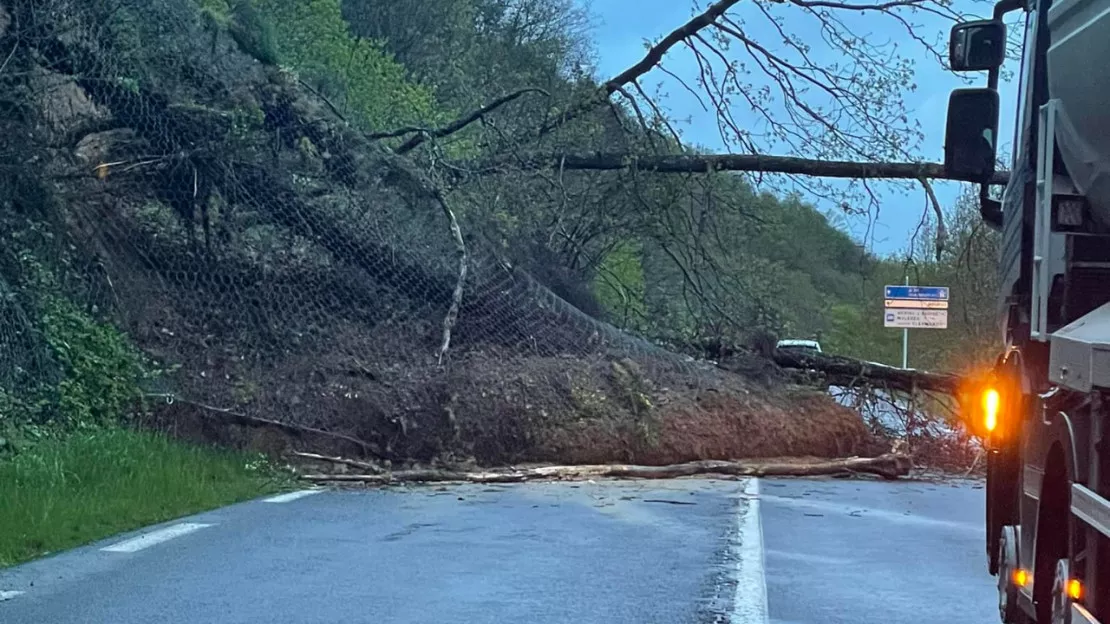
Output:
x,y
280,266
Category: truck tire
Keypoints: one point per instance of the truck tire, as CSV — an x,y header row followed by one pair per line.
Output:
x,y
1061,603
1007,557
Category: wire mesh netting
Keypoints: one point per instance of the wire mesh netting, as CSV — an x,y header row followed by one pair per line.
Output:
x,y
284,266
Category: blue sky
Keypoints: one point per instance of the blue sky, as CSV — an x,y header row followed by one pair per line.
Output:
x,y
620,28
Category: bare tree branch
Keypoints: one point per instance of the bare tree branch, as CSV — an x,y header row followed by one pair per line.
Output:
x,y
456,296
423,134
942,232
644,65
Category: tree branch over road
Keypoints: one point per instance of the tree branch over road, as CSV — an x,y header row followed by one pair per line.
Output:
x,y
734,162
842,371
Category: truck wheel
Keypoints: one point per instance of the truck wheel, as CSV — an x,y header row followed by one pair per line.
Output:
x,y
1061,603
1008,608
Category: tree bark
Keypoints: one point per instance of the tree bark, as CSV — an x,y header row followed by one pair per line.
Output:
x,y
843,371
888,466
704,163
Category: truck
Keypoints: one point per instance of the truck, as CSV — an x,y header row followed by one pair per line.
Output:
x,y
1043,409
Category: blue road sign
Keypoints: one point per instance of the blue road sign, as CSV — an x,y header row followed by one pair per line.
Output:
x,y
918,293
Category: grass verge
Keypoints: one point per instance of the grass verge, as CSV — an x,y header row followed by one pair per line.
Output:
x,y
82,486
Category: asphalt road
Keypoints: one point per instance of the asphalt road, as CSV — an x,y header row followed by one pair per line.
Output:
x,y
862,552
615,552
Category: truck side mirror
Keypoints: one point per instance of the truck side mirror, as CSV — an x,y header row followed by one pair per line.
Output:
x,y
977,46
971,134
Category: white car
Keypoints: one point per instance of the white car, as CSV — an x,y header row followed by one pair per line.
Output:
x,y
800,345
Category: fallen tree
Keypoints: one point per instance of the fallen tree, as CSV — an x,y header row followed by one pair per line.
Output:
x,y
887,466
705,163
844,371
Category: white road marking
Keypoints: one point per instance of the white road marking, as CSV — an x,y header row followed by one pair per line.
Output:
x,y
749,605
154,537
292,496
8,595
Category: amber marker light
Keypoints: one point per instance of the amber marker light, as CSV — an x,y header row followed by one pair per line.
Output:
x,y
991,401
1075,589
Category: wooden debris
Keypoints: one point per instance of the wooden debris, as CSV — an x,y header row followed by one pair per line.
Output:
x,y
887,466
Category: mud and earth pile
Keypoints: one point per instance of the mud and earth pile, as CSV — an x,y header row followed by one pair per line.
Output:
x,y
290,269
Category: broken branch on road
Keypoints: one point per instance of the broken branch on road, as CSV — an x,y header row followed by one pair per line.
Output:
x,y
887,466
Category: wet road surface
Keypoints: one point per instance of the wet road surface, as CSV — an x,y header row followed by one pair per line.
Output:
x,y
862,552
783,551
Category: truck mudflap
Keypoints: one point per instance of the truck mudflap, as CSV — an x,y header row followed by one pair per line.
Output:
x,y
1079,615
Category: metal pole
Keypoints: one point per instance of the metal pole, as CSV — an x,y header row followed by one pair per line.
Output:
x,y
906,338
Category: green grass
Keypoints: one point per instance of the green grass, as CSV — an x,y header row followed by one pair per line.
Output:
x,y
83,486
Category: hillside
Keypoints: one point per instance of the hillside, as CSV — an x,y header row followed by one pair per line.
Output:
x,y
211,209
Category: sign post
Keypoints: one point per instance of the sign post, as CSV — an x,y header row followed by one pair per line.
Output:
x,y
914,307
905,331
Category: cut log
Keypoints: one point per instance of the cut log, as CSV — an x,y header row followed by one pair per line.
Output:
x,y
844,371
888,466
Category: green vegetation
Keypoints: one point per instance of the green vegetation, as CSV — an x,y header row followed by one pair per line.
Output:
x,y
681,259
96,372
311,37
678,259
71,471
70,489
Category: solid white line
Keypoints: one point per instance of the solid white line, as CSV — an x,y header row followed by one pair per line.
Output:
x,y
749,605
292,496
8,595
154,537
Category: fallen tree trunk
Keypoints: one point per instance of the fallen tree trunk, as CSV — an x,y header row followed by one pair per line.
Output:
x,y
705,163
844,371
888,466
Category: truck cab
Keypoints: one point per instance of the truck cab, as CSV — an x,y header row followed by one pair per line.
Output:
x,y
1045,411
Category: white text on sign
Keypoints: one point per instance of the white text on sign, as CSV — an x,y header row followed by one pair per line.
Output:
x,y
903,318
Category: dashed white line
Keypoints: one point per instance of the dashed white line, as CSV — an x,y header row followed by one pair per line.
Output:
x,y
292,496
749,605
8,595
154,537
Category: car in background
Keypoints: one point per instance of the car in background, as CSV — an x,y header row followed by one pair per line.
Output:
x,y
803,346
